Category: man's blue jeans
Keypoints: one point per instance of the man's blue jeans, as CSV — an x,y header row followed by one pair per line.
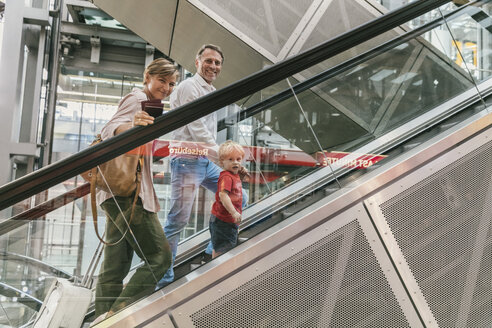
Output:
x,y
187,174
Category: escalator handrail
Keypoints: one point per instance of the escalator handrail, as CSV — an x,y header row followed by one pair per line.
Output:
x,y
39,211
80,191
62,170
22,297
50,205
35,263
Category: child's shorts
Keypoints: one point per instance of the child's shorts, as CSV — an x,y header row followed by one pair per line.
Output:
x,y
223,234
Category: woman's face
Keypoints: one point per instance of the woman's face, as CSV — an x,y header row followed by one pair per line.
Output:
x,y
159,87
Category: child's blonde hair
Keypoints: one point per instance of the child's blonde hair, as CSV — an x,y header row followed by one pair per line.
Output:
x,y
229,147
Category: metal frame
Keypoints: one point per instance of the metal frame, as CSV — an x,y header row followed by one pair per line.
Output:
x,y
231,28
268,241
315,7
402,266
13,82
387,266
310,27
102,32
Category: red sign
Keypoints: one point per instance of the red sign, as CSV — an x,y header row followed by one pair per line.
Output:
x,y
357,161
287,157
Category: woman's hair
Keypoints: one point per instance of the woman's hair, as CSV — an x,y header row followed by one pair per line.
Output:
x,y
160,67
210,46
229,147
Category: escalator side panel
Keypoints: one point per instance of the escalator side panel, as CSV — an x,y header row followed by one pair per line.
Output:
x,y
341,244
438,223
327,277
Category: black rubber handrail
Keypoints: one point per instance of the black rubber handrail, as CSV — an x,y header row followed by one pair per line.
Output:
x,y
62,170
61,200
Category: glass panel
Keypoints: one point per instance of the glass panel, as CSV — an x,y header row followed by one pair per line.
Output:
x,y
369,99
326,123
426,18
469,41
272,158
86,101
94,16
39,246
185,176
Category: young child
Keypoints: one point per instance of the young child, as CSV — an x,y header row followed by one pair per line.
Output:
x,y
226,211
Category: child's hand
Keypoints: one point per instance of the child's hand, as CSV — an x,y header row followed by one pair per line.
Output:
x,y
244,174
237,217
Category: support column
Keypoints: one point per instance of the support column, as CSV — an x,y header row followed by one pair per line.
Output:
x,y
11,81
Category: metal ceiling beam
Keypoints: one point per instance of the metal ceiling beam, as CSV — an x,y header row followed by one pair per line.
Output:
x,y
102,32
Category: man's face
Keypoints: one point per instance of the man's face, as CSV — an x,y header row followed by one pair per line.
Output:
x,y
208,65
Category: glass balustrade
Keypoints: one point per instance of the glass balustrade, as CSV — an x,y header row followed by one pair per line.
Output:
x,y
310,130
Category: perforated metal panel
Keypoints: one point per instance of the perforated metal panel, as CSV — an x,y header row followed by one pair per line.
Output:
x,y
334,282
442,225
269,23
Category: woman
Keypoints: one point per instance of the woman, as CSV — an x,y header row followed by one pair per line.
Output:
x,y
146,236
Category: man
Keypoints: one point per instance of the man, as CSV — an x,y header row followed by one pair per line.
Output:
x,y
190,162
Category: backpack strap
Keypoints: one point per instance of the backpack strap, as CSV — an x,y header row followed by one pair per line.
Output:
x,y
134,203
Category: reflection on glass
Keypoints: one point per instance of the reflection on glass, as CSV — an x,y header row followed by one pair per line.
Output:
x,y
427,17
282,142
470,40
369,99
86,101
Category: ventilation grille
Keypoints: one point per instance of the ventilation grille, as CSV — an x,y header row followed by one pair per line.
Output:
x,y
335,282
443,227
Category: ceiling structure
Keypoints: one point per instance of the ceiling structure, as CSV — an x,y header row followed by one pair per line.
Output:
x,y
257,33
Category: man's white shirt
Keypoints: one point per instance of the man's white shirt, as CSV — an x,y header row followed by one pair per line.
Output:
x,y
200,133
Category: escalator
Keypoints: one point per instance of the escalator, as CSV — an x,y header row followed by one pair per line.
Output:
x,y
329,237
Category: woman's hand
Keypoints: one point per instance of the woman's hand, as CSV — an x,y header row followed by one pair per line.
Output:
x,y
142,118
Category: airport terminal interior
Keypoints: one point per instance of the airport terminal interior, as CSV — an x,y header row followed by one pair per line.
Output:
x,y
367,135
